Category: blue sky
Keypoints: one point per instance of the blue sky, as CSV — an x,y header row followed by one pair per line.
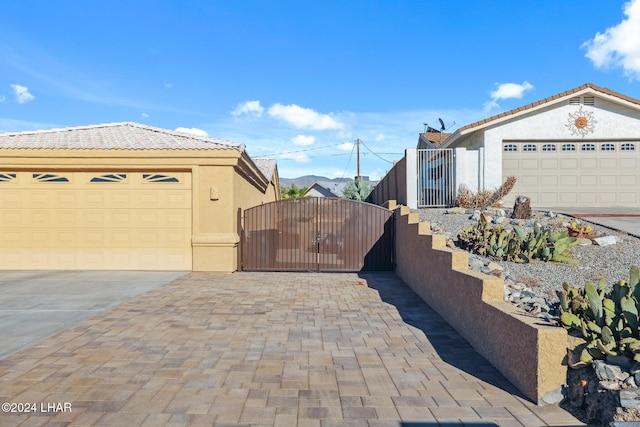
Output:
x,y
301,80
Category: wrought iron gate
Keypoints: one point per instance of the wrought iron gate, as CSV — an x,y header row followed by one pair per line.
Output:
x,y
317,234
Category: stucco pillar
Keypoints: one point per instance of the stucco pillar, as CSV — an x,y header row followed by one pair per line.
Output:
x,y
214,241
411,177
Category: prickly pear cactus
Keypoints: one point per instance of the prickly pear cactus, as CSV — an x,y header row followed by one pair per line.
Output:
x,y
606,318
495,242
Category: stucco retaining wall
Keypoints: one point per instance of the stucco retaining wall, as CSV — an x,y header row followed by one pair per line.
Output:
x,y
528,352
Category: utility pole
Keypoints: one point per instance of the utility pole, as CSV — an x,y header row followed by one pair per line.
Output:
x,y
358,177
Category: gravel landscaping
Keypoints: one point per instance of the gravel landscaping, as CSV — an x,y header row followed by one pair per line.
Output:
x,y
544,278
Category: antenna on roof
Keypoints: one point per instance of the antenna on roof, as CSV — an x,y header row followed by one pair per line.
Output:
x,y
442,126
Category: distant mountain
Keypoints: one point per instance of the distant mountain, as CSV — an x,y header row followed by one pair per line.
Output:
x,y
308,180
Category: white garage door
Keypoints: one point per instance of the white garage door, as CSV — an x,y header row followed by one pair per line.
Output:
x,y
95,220
567,174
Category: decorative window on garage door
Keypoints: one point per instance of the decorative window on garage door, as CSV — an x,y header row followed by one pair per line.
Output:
x,y
628,146
510,147
588,147
111,177
607,147
49,177
568,147
549,147
7,177
529,147
155,177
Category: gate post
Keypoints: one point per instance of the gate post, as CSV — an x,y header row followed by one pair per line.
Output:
x,y
411,177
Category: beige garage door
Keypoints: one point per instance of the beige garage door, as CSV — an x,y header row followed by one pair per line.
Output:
x,y
95,220
577,174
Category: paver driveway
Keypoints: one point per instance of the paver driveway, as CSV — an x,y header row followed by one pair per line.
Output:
x,y
256,349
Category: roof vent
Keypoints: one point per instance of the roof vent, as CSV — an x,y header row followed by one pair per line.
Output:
x,y
588,100
574,101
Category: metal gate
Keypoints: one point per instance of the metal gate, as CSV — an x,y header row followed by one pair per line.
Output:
x,y
436,177
317,234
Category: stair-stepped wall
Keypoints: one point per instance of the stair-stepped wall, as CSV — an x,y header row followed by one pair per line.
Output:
x,y
526,350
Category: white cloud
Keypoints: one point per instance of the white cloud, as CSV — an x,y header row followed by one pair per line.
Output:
x,y
303,140
347,146
378,136
168,85
304,117
300,157
3,98
22,94
144,115
250,108
193,131
618,46
507,91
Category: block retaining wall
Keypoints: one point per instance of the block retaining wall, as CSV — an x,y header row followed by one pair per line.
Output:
x,y
526,350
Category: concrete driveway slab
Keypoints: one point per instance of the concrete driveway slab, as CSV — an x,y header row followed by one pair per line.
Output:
x,y
266,349
624,219
37,304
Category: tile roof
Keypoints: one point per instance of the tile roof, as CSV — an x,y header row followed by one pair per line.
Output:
x,y
549,99
112,136
266,166
434,137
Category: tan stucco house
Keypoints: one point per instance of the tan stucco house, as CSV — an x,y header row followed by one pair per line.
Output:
x,y
125,196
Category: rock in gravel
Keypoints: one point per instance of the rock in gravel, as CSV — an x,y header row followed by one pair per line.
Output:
x,y
624,362
605,240
584,242
475,264
630,398
607,372
609,385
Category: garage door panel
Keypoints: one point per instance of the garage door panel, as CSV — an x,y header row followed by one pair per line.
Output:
x,y
10,197
590,178
568,180
588,197
566,197
608,163
511,163
529,181
627,181
549,163
628,198
607,180
607,198
11,218
548,197
568,163
79,224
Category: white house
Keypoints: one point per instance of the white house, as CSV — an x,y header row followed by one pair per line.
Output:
x,y
577,148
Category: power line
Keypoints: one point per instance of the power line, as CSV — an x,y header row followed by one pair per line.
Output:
x,y
348,162
388,161
300,151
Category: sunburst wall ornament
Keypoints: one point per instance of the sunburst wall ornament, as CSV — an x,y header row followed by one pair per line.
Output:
x,y
581,122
